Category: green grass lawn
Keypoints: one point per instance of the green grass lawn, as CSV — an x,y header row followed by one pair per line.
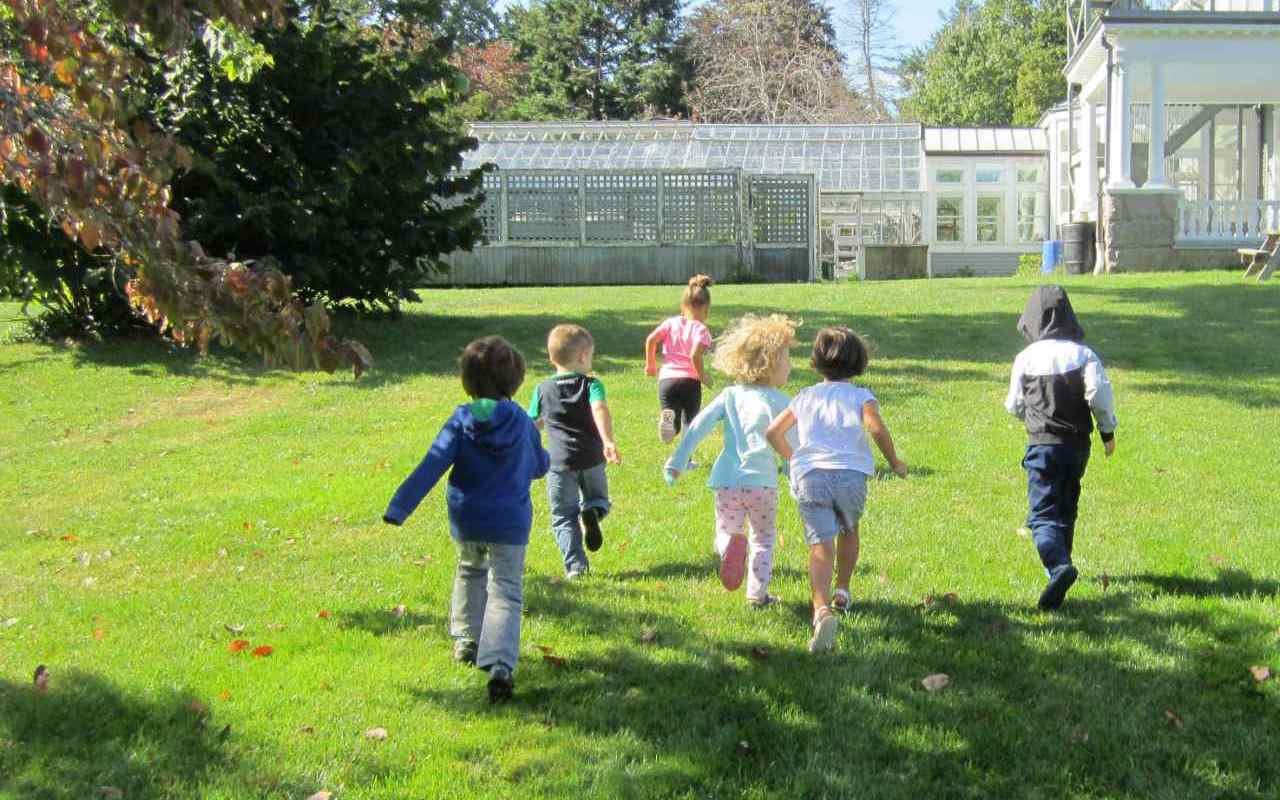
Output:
x,y
153,503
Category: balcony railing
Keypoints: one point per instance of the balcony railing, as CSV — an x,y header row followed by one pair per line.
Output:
x,y
1233,222
1085,15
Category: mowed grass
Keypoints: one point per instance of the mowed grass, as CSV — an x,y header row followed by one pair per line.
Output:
x,y
153,503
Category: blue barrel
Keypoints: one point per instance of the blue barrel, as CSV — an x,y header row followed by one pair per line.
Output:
x,y
1051,255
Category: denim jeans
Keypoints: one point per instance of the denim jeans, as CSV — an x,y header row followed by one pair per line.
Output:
x,y
569,493
488,595
1053,498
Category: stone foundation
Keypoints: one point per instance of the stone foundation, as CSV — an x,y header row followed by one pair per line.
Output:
x,y
1138,230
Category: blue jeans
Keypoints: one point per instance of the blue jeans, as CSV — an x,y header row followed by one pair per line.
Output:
x,y
1053,498
488,596
569,493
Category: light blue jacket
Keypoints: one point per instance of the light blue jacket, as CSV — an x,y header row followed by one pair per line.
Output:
x,y
746,461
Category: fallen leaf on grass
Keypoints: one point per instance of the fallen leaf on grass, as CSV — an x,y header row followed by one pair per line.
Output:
x,y
263,651
399,611
546,649
935,682
234,629
1080,734
622,548
555,661
1106,581
110,793
321,795
1260,673
744,747
324,613
238,645
69,537
307,729
41,679
376,734
760,653
224,695
198,708
1173,718
99,634
648,635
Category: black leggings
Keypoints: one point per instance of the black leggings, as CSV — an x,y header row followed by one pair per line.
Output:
x,y
682,395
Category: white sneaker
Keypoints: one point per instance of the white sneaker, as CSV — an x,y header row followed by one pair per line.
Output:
x,y
667,425
824,633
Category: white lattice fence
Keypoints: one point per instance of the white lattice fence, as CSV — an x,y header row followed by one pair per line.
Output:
x,y
782,210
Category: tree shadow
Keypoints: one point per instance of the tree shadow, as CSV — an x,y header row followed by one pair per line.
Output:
x,y
86,734
384,622
1227,584
1124,698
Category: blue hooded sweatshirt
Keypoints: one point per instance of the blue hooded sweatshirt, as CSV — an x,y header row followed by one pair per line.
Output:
x,y
495,451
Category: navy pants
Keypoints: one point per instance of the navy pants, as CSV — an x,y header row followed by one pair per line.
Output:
x,y
1053,498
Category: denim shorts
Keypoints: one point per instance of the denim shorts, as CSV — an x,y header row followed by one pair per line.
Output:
x,y
831,502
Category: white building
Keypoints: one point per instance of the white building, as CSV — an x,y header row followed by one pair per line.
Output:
x,y
1166,153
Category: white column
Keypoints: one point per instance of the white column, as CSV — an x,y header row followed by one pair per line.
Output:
x,y
1275,152
1155,151
1120,137
1087,176
1252,166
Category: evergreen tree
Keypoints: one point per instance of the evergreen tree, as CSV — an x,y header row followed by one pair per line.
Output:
x,y
597,59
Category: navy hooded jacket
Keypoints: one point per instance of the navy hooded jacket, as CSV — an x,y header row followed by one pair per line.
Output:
x,y
495,452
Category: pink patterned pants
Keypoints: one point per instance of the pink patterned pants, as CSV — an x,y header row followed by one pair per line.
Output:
x,y
736,507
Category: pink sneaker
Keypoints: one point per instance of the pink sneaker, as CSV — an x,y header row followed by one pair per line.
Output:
x,y
733,566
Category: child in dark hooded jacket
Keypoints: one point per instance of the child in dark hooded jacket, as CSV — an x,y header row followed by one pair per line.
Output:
x,y
494,451
1058,389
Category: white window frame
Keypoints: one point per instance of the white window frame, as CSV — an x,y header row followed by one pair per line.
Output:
x,y
999,170
1038,221
999,218
959,199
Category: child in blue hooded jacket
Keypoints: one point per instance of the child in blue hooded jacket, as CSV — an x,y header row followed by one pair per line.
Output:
x,y
495,452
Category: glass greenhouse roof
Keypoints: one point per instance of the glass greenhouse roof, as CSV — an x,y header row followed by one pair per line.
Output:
x,y
852,158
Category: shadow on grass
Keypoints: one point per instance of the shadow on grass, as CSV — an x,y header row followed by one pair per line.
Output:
x,y
1228,584
86,734
384,622
1218,337
1108,698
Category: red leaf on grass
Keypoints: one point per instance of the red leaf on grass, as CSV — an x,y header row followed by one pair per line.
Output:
x,y
555,661
1260,673
99,634
324,613
224,695
263,651
69,537
238,645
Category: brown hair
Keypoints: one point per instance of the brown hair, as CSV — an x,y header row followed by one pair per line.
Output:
x,y
491,368
749,351
839,353
566,342
698,293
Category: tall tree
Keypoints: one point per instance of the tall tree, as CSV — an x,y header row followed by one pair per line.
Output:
x,y
996,62
767,61
596,59
873,38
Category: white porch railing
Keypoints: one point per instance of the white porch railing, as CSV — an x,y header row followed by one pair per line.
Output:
x,y
1228,221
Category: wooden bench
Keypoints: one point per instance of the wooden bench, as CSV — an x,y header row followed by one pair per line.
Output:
x,y
1263,258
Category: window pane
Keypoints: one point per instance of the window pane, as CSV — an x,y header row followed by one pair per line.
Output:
x,y
1033,214
989,219
989,175
950,220
949,176
1028,174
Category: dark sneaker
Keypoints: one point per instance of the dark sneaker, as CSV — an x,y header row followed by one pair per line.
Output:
x,y
464,651
1056,590
501,684
591,527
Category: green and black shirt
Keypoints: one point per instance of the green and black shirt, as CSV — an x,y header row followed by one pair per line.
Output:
x,y
563,401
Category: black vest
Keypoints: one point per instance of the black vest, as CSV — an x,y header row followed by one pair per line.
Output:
x,y
564,403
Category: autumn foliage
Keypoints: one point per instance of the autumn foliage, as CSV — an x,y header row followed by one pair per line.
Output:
x,y
69,139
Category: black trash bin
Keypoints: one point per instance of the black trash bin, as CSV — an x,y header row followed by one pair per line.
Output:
x,y
1078,250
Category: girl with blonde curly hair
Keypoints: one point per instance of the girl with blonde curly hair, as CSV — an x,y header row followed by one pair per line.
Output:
x,y
755,353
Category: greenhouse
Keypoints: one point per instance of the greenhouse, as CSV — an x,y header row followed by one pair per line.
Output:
x,y
589,202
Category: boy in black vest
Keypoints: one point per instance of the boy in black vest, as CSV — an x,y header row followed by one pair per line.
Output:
x,y
571,407
1058,388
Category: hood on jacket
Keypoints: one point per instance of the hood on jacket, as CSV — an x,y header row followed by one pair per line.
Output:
x,y
1049,315
495,425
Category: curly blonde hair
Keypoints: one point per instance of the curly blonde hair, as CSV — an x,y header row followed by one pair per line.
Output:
x,y
750,349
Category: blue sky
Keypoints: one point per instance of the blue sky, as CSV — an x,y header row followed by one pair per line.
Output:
x,y
916,19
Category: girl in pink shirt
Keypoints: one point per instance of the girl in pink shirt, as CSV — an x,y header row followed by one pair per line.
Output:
x,y
684,339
